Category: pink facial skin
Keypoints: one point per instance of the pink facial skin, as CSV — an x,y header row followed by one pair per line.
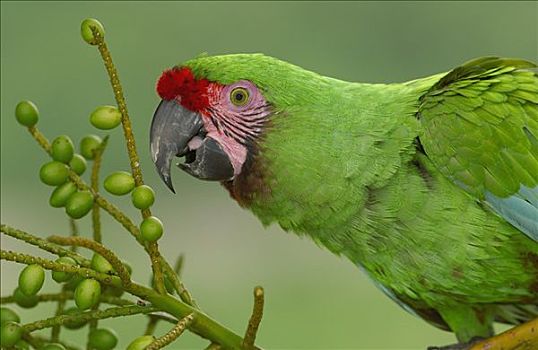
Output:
x,y
232,126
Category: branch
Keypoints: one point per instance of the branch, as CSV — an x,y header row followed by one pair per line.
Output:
x,y
152,247
88,316
521,337
255,319
98,156
43,244
68,295
54,266
99,249
204,326
172,335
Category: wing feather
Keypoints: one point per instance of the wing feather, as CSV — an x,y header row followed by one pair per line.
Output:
x,y
481,131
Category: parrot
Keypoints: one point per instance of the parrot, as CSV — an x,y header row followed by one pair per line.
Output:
x,y
429,186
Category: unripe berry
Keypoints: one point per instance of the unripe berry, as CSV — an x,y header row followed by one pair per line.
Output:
x,y
87,33
141,343
54,173
7,315
119,183
151,229
103,339
22,345
23,300
143,197
79,204
31,279
26,113
72,283
87,293
73,311
52,346
101,264
62,149
60,276
10,333
105,117
61,194
89,145
78,164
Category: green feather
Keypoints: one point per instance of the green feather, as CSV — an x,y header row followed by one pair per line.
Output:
x,y
343,163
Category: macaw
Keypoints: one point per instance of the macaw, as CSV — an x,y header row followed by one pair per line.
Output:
x,y
429,186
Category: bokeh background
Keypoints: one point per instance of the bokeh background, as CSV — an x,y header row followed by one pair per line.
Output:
x,y
314,299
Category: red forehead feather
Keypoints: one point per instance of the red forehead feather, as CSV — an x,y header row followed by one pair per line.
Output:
x,y
180,82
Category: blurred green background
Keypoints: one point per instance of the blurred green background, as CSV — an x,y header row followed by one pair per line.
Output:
x,y
314,299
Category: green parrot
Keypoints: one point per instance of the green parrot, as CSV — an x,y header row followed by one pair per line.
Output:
x,y
429,186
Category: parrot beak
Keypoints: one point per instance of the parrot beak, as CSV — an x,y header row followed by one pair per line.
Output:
x,y
176,131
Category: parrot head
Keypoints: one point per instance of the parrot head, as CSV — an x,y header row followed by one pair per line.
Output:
x,y
213,122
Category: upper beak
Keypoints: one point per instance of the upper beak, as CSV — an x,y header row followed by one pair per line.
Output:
x,y
172,128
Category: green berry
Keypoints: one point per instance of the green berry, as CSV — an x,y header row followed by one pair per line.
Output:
x,y
60,276
8,315
22,345
61,194
100,264
54,173
31,279
103,339
78,164
72,283
73,311
79,204
62,149
141,343
11,333
89,145
143,197
87,33
26,113
23,300
113,291
151,229
105,117
119,183
52,346
87,293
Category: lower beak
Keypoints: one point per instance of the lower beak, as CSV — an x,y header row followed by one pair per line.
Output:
x,y
176,131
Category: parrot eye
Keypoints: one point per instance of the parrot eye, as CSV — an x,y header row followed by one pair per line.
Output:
x,y
239,96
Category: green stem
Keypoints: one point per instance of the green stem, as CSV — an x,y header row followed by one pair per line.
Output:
x,y
74,231
153,249
203,325
178,285
43,244
113,211
172,335
27,259
68,295
100,249
255,319
152,324
88,316
40,138
81,185
96,220
43,340
55,333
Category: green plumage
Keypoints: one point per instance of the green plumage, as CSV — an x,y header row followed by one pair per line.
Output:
x,y
429,186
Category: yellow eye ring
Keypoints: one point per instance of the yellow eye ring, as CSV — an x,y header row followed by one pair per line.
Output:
x,y
239,96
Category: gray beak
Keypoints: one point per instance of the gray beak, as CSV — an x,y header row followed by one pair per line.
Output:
x,y
172,129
